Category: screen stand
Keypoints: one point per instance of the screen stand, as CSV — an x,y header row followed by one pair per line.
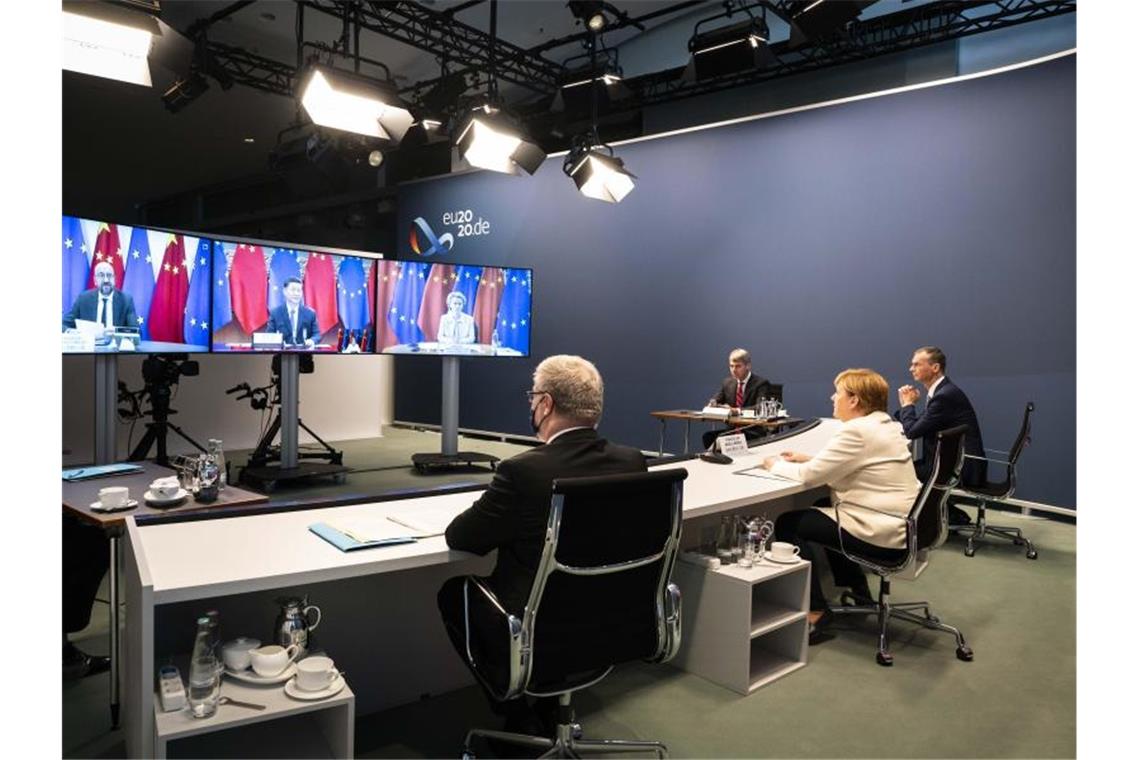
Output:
x,y
106,402
450,456
262,475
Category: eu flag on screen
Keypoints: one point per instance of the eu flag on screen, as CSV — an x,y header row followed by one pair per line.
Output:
x,y
352,294
75,262
514,310
196,323
405,310
223,312
282,266
467,283
138,281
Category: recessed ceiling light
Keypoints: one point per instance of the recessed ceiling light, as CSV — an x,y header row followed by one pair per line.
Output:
x,y
248,139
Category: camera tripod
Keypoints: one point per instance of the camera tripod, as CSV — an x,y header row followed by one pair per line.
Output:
x,y
160,375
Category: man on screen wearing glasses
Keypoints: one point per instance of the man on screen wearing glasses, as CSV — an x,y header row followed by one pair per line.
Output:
x,y
104,303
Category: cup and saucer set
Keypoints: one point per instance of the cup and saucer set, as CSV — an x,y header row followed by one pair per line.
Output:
x,y
114,499
312,678
165,492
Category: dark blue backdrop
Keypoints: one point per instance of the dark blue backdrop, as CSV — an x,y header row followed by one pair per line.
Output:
x,y
836,237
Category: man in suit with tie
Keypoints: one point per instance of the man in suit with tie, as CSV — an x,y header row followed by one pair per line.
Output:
x,y
511,515
740,390
946,407
293,319
104,303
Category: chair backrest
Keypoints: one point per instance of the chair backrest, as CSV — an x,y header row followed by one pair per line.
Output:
x,y
599,595
776,391
929,518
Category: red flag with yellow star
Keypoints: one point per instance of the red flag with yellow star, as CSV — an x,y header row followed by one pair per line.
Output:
x,y
440,282
249,297
320,289
107,249
168,305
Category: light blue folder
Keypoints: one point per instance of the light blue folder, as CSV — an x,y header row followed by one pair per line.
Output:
x,y
348,544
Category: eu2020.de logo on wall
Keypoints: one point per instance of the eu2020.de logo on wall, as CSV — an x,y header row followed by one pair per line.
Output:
x,y
425,242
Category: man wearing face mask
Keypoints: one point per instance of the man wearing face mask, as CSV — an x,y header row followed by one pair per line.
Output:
x,y
565,405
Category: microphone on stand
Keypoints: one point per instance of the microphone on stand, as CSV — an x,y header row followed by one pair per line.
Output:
x,y
718,457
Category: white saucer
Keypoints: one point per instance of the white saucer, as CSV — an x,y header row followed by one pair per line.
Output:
x,y
768,556
153,498
97,506
332,689
251,676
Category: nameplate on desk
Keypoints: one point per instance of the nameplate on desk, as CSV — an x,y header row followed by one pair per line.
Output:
x,y
732,445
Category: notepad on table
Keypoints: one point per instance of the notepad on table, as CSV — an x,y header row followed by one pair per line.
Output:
x,y
348,537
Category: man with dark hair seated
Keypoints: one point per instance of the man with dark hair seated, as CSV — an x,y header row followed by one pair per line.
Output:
x,y
946,407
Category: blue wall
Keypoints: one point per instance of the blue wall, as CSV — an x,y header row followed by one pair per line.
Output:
x,y
840,236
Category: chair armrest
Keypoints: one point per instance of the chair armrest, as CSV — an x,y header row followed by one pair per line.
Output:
x,y
672,621
1003,462
480,602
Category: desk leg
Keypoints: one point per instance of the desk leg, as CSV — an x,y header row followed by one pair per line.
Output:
x,y
661,440
115,662
688,424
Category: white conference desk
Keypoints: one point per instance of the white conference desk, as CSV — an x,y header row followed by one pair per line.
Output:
x,y
244,557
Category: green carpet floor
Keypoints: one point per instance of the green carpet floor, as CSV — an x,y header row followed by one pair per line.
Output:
x,y
1017,699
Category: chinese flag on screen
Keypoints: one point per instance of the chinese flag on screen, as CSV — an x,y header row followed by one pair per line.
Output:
x,y
168,304
248,295
320,289
107,249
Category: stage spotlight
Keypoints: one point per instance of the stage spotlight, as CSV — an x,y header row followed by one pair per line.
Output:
x,y
598,173
184,92
110,41
812,19
353,103
375,158
489,141
590,12
579,84
730,49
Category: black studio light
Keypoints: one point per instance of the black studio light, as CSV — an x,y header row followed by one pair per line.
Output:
x,y
582,80
813,19
730,48
355,103
598,173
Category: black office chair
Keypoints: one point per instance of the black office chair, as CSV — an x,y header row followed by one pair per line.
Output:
x,y
927,526
776,391
998,491
601,597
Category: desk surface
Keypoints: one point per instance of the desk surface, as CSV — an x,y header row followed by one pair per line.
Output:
x,y
78,497
261,552
694,415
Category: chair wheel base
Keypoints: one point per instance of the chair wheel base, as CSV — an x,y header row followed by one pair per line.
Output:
x,y
965,654
969,552
884,659
1031,554
468,754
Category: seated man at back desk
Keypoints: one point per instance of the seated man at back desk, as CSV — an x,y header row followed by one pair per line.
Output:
x,y
740,390
511,515
946,407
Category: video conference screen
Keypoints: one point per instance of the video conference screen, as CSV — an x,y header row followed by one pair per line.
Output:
x,y
286,299
133,289
452,309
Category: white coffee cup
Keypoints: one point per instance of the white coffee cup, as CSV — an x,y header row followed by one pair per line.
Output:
x,y
114,497
236,653
316,673
783,551
272,660
165,488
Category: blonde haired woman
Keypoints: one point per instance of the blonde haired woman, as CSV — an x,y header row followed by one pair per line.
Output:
x,y
868,468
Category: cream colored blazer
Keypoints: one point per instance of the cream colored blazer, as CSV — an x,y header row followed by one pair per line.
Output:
x,y
868,468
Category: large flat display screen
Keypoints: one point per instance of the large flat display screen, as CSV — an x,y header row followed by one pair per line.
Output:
x,y
133,289
286,299
452,309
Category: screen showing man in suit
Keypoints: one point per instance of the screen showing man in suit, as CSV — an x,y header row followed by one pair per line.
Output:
x,y
296,322
133,288
454,325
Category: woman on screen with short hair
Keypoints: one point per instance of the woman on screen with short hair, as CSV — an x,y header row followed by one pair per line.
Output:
x,y
868,468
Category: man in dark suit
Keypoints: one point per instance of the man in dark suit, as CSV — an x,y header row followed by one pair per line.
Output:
x,y
293,319
511,515
740,390
103,303
946,407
